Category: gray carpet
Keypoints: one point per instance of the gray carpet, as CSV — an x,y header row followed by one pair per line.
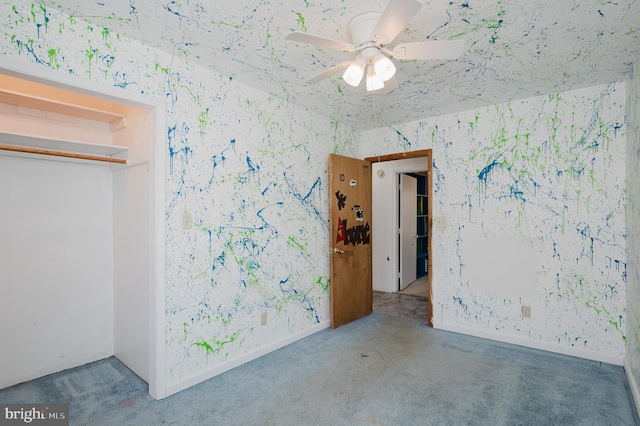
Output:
x,y
379,370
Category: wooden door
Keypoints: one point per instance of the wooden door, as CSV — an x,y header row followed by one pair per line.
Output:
x,y
350,223
408,229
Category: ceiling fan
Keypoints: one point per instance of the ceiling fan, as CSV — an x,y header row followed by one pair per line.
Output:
x,y
369,33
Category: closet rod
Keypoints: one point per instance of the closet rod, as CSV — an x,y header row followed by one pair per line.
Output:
x,y
62,154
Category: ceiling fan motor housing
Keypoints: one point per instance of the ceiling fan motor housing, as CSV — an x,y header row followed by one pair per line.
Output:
x,y
360,30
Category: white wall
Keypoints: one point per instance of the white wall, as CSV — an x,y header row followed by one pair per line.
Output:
x,y
632,356
131,245
544,177
385,220
249,168
131,267
56,260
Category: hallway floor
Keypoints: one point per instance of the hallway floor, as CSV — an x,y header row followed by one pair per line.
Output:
x,y
419,287
401,305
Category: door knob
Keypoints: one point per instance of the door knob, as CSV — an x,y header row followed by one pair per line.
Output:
x,y
337,250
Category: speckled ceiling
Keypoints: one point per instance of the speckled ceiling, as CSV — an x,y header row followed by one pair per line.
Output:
x,y
514,48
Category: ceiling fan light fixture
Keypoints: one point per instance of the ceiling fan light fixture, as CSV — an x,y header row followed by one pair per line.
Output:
x,y
374,82
355,71
384,67
370,35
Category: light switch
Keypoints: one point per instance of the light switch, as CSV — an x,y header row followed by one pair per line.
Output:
x,y
187,220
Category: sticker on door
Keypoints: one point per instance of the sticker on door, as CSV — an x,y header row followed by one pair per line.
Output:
x,y
359,213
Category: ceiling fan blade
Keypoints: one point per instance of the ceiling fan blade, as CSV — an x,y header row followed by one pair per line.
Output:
x,y
429,50
320,41
389,86
328,73
394,19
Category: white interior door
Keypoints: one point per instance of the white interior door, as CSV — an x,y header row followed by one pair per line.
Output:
x,y
408,230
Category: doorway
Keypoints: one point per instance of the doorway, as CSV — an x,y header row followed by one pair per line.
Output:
x,y
386,245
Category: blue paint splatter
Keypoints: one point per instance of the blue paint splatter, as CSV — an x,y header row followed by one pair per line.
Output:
x,y
486,171
405,142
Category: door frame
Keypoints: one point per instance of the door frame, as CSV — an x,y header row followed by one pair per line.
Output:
x,y
156,107
428,156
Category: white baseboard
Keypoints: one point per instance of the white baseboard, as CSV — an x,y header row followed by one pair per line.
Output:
x,y
228,365
576,352
633,384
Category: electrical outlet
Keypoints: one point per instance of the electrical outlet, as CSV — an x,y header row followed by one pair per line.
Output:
x,y
440,222
263,318
526,311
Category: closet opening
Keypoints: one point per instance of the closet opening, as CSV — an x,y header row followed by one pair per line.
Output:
x,y
78,224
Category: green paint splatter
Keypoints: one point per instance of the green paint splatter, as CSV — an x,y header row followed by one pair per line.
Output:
x,y
91,54
205,345
203,119
165,70
300,20
323,282
293,242
53,58
217,345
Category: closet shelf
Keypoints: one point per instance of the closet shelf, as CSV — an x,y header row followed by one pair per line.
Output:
x,y
36,102
61,148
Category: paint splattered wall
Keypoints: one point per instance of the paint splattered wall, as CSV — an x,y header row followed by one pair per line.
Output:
x,y
246,173
632,356
538,183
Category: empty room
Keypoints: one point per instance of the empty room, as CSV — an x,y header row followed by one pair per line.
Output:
x,y
200,202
